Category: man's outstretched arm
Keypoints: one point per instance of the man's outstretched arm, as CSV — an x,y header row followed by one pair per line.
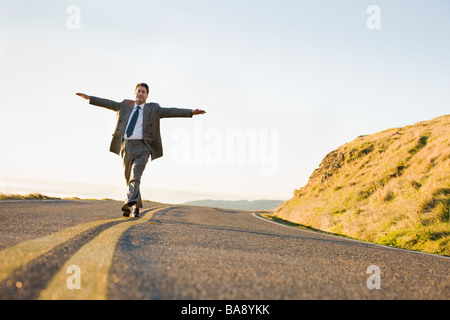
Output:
x,y
105,103
178,112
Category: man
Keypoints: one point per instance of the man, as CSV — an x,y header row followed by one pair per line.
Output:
x,y
137,136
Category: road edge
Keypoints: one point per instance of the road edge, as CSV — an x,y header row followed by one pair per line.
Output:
x,y
256,215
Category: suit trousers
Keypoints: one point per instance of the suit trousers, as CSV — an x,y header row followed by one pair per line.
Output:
x,y
135,155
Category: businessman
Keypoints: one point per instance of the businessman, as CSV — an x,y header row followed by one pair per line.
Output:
x,y
137,136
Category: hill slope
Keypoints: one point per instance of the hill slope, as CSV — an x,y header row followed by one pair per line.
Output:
x,y
392,188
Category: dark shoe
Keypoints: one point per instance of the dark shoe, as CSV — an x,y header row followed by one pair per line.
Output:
x,y
136,212
126,210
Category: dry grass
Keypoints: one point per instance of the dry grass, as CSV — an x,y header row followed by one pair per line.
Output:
x,y
391,188
38,196
30,196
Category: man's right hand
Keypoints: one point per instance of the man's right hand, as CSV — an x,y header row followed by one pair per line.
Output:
x,y
85,96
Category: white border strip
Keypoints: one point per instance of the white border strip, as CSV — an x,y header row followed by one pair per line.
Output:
x,y
349,239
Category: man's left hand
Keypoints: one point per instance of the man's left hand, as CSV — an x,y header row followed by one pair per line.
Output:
x,y
198,111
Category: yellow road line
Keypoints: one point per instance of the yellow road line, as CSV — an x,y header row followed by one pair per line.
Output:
x,y
20,254
93,260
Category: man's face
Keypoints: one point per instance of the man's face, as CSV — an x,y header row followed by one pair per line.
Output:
x,y
141,95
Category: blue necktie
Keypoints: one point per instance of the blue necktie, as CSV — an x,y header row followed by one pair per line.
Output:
x,y
133,121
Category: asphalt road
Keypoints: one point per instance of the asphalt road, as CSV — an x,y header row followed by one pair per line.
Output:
x,y
47,248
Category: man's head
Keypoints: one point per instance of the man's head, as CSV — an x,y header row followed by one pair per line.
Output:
x,y
141,93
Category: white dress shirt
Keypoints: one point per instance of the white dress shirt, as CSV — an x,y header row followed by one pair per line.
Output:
x,y
137,133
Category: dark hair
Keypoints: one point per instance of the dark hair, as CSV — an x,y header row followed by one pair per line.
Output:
x,y
142,85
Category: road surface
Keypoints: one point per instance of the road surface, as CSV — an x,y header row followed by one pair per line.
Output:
x,y
86,250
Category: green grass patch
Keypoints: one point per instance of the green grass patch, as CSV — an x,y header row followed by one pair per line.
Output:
x,y
420,144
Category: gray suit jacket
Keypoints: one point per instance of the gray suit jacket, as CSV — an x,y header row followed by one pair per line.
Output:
x,y
152,113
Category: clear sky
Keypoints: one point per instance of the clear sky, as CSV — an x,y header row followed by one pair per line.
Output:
x,y
283,82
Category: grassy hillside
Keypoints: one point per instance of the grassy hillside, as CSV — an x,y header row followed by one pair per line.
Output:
x,y
392,188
